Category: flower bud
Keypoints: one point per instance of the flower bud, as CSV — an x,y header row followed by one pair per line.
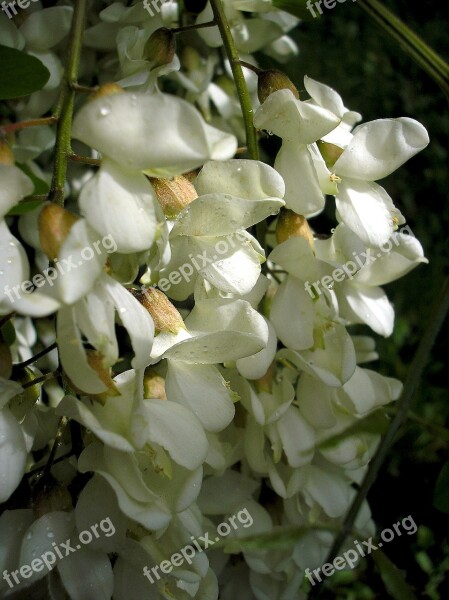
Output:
x,y
271,81
330,153
6,153
107,89
55,224
292,225
160,47
174,194
153,385
165,316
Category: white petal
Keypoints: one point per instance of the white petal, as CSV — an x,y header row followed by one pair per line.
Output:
x,y
203,390
8,389
97,582
45,28
172,426
107,423
147,509
120,204
13,454
248,179
235,271
406,253
380,147
296,256
294,162
254,367
223,330
298,438
95,317
292,119
14,185
73,356
292,314
78,269
135,319
120,126
13,524
53,527
367,209
325,96
367,304
215,498
107,514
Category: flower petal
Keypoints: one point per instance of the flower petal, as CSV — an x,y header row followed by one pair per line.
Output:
x,y
293,120
120,126
380,147
120,204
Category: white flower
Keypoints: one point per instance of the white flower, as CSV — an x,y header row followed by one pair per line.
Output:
x,y
159,134
300,125
233,196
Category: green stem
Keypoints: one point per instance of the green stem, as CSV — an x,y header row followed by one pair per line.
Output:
x,y
237,72
66,103
437,317
411,43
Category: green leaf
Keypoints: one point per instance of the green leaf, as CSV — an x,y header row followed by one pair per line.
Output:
x,y
297,8
376,423
20,74
393,578
24,206
40,186
441,495
279,538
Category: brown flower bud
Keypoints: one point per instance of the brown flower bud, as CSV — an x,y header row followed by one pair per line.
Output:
x,y
174,194
292,225
106,89
271,81
160,47
55,224
153,385
165,316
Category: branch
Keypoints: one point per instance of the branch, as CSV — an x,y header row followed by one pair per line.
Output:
x,y
66,103
240,83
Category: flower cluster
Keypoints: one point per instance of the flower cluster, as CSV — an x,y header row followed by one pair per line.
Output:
x,y
189,405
